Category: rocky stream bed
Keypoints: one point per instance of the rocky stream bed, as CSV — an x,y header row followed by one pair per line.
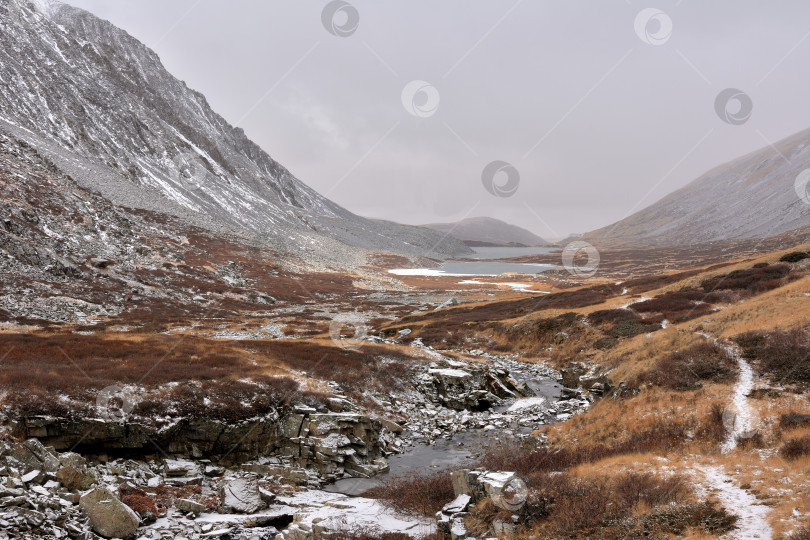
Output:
x,y
292,475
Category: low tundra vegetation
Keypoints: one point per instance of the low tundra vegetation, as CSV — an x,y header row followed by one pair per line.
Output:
x,y
170,376
796,448
757,279
794,257
781,355
568,500
422,493
690,368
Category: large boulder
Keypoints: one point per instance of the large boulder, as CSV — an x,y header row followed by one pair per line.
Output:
x,y
240,495
479,484
74,474
109,517
33,455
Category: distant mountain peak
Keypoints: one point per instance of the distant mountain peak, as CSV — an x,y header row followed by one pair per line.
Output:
x,y
482,231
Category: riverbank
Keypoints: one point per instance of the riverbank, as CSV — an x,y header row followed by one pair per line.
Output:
x,y
311,473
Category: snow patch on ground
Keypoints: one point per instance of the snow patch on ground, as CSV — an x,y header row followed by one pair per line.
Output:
x,y
340,512
739,414
753,522
527,403
520,287
427,272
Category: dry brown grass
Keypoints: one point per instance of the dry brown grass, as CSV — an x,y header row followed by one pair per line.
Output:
x,y
228,380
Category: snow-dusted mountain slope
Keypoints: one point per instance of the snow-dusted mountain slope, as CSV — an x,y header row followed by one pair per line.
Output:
x,y
754,196
100,105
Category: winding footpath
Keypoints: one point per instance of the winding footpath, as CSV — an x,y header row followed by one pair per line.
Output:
x,y
737,417
738,420
753,516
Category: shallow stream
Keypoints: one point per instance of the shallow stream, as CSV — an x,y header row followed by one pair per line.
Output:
x,y
462,448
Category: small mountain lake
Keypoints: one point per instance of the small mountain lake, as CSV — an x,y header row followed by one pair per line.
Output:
x,y
485,262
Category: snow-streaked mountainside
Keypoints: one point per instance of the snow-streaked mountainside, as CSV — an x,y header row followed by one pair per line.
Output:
x,y
101,106
754,196
485,230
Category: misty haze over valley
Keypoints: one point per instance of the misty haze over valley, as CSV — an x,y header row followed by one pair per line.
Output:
x,y
353,270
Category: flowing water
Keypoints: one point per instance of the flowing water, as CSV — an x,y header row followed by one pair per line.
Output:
x,y
462,448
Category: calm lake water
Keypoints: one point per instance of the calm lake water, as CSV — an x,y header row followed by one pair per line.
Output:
x,y
483,263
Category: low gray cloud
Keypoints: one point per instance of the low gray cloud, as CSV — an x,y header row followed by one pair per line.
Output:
x,y
602,107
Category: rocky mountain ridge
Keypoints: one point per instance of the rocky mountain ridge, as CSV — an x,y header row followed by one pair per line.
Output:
x,y
752,197
101,106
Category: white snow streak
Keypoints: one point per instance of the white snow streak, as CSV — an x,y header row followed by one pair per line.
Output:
x,y
753,522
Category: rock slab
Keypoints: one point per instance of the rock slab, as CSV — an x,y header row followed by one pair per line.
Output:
x,y
109,517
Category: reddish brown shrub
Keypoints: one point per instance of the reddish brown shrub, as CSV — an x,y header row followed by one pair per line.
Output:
x,y
793,420
612,316
659,437
713,428
421,493
579,504
683,305
162,496
361,534
142,504
687,369
801,534
584,507
633,488
796,448
782,355
751,280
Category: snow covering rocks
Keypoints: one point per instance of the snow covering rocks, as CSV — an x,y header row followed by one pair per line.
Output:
x,y
473,486
189,507
321,513
327,444
475,387
309,447
102,106
240,495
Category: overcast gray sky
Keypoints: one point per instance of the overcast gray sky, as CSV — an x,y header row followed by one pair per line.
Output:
x,y
599,115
